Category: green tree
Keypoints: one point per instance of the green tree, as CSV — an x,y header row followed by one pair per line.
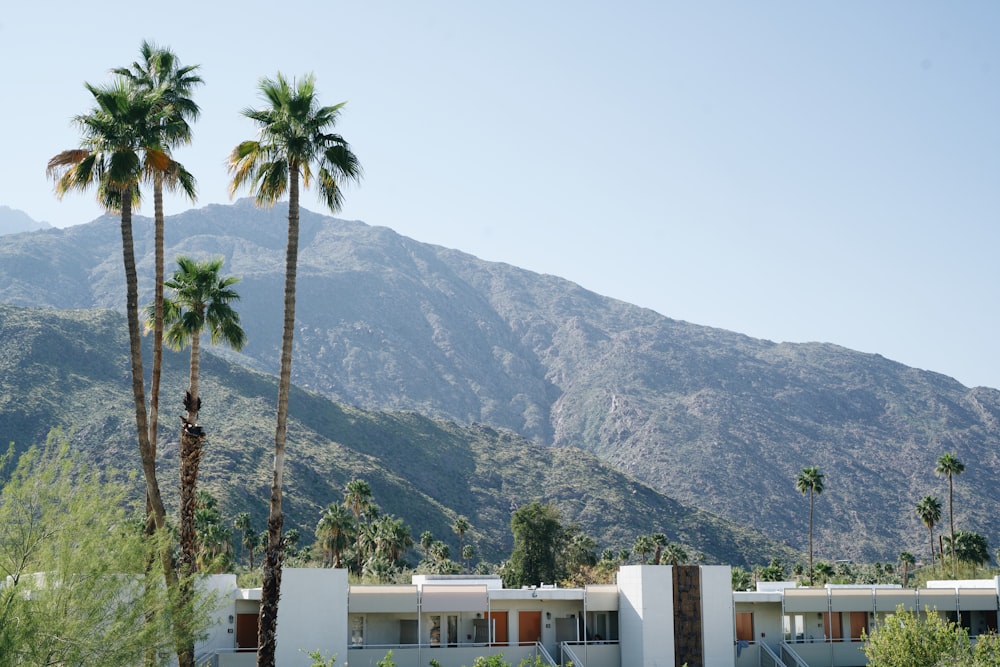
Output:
x,y
644,544
248,536
908,639
741,579
968,547
159,73
949,466
358,498
538,539
824,571
66,541
660,540
810,481
460,528
675,554
121,134
333,532
294,137
199,299
929,511
907,560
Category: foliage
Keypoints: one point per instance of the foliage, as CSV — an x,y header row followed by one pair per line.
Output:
x,y
908,639
969,547
386,661
92,605
318,659
742,580
538,538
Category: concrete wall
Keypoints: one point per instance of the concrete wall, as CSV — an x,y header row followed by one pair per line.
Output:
x,y
646,615
312,615
717,613
222,589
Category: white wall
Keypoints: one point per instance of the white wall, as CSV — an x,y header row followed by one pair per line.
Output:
x,y
312,615
717,616
220,636
646,615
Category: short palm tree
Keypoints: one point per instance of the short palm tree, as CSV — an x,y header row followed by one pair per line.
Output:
x,y
810,481
948,466
200,300
295,135
929,511
644,544
334,532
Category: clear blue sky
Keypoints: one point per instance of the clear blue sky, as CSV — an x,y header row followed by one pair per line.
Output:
x,y
795,171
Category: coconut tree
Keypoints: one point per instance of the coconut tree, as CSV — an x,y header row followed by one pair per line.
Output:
x,y
929,511
200,298
294,139
948,466
907,560
159,73
121,139
810,481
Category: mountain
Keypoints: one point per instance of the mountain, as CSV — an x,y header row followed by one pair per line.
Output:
x,y
70,369
13,221
712,418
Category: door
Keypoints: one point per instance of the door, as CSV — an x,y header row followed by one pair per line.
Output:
x,y
246,632
529,627
831,626
498,621
859,623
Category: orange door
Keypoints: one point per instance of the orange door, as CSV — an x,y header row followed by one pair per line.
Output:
x,y
246,631
529,627
498,619
859,622
831,625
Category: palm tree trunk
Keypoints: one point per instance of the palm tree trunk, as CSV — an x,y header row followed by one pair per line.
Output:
x,y
138,390
271,586
810,537
154,387
192,439
951,521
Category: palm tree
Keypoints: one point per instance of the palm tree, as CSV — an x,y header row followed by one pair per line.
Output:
x,y
660,540
948,465
929,511
906,559
294,135
460,528
357,498
426,540
121,134
159,72
200,298
333,532
810,481
248,536
675,554
644,544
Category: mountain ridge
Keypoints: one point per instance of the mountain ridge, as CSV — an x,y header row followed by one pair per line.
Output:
x,y
714,418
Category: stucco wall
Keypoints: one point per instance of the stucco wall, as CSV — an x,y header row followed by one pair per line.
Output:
x,y
312,615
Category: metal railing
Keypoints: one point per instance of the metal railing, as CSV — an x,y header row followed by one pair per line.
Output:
x,y
786,649
776,660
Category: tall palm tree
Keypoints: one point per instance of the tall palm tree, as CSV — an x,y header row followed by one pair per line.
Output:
x,y
948,466
810,481
660,540
200,299
906,559
929,511
294,135
357,498
333,532
159,72
460,528
121,134
248,536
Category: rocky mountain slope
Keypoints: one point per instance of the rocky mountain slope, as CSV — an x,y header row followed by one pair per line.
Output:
x,y
712,418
